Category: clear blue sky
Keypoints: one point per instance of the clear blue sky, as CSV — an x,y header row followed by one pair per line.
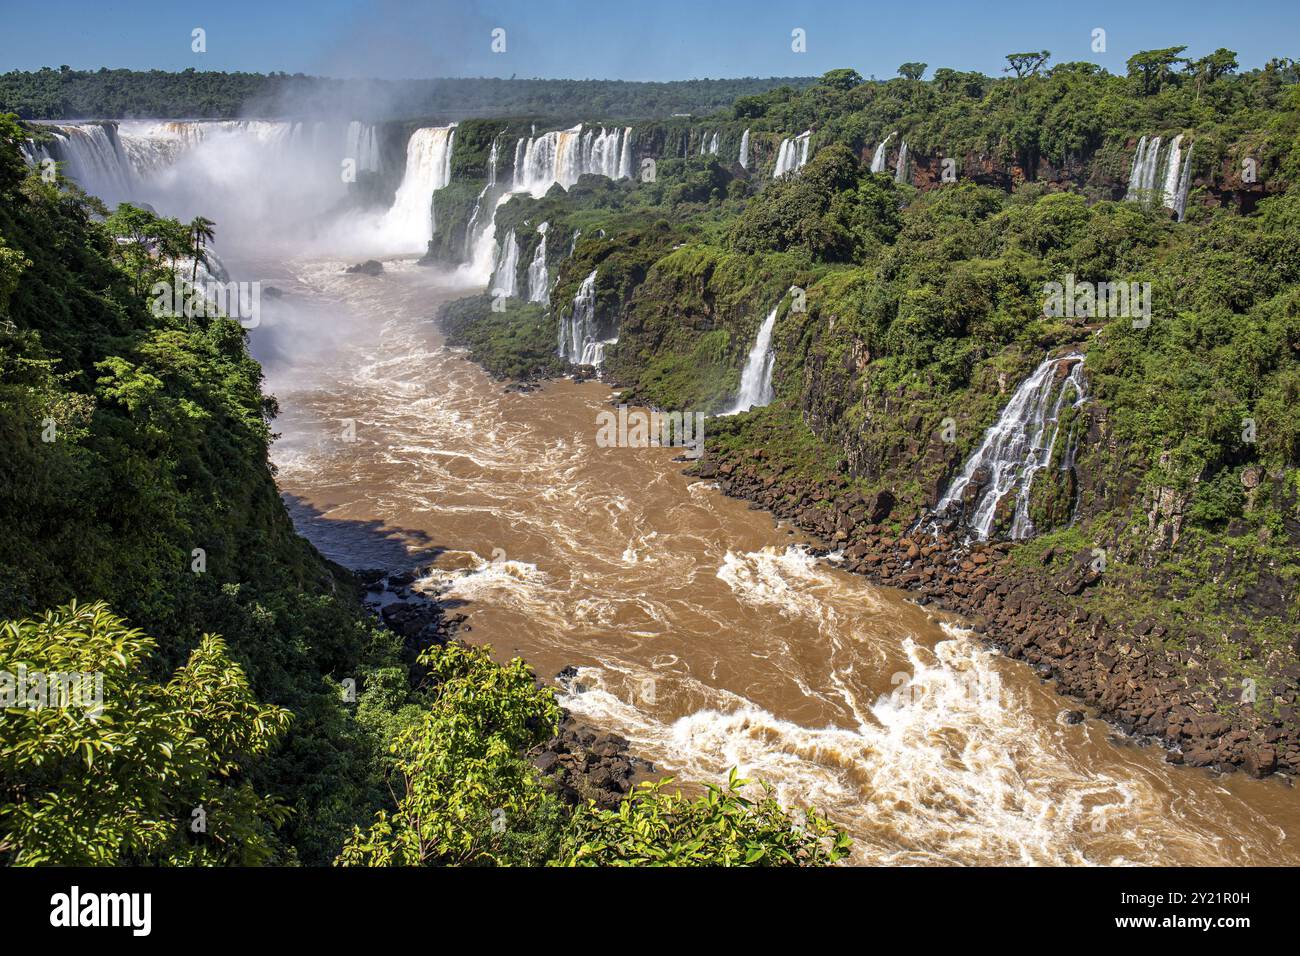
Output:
x,y
623,39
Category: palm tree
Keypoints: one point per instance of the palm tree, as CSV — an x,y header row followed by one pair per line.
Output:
x,y
202,231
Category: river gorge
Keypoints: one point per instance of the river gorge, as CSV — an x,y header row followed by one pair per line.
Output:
x,y
704,632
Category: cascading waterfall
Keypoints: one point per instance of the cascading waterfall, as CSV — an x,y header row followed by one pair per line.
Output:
x,y
428,168
578,342
538,280
713,145
1019,445
1151,180
505,280
561,156
478,203
94,157
900,167
756,379
878,158
744,150
792,154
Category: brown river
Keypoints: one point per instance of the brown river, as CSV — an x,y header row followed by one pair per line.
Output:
x,y
704,632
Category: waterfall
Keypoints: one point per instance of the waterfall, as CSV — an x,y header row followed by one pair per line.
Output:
x,y
578,343
573,243
561,156
744,150
713,145
506,278
1184,183
900,167
625,155
1150,180
792,154
878,159
1019,445
538,281
92,156
756,379
784,159
1142,174
428,168
362,146
1169,196
478,203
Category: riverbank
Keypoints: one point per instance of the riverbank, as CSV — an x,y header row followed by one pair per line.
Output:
x,y
1042,613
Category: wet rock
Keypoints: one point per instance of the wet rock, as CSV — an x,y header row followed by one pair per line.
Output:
x,y
371,267
1072,716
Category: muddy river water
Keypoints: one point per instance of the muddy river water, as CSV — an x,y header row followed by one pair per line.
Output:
x,y
704,632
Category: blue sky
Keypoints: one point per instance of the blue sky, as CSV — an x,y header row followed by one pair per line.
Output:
x,y
622,39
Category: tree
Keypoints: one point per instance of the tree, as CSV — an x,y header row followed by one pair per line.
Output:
x,y
1209,68
912,71
459,770
655,827
1154,67
119,769
1026,64
202,231
843,79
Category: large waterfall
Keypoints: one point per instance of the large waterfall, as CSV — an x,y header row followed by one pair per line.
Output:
x,y
538,280
878,158
744,150
561,156
578,339
506,278
1166,179
428,167
756,379
792,154
1019,445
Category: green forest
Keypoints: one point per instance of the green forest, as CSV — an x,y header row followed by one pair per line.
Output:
x,y
145,538
65,93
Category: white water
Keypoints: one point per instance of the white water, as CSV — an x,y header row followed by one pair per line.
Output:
x,y
561,156
1017,446
744,150
900,167
1152,180
506,279
878,158
362,146
792,155
409,223
1172,167
578,341
478,203
756,379
538,280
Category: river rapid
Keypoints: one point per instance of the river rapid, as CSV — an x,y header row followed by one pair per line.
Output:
x,y
704,632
